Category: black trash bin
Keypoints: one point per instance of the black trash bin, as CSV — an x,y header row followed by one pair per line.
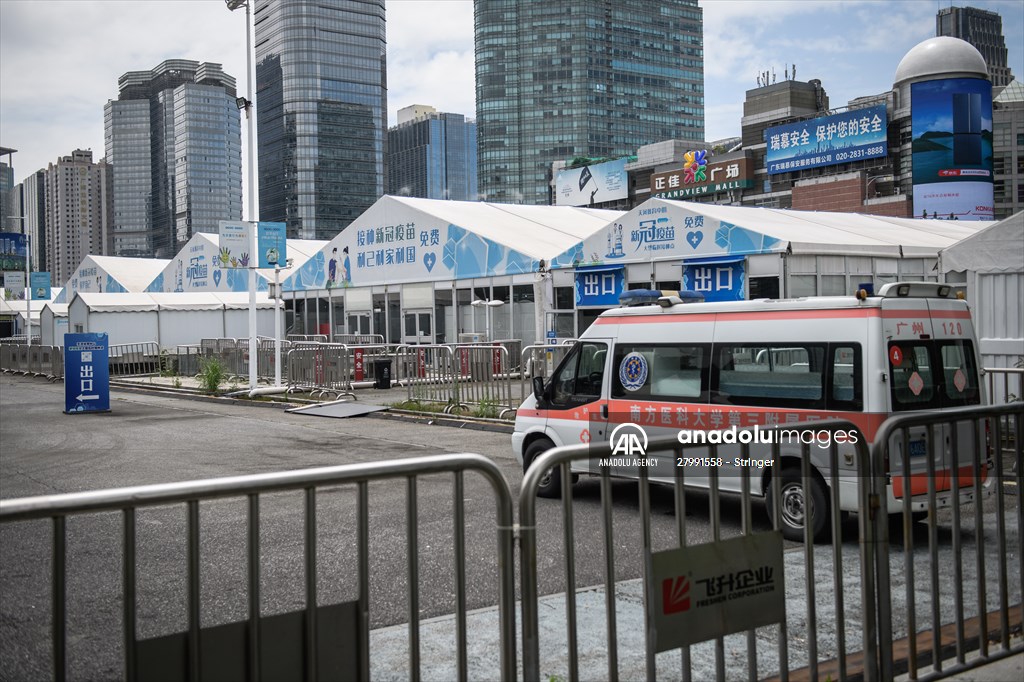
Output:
x,y
382,373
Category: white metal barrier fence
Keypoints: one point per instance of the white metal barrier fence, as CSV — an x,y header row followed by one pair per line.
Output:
x,y
797,637
240,650
135,359
1005,384
43,361
460,376
986,533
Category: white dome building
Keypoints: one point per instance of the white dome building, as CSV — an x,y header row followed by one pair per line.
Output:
x,y
943,107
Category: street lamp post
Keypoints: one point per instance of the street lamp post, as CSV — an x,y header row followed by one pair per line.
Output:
x,y
490,305
246,103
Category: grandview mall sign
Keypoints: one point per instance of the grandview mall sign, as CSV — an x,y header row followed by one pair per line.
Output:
x,y
698,176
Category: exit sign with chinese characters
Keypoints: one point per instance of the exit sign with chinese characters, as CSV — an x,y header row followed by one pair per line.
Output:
x,y
86,373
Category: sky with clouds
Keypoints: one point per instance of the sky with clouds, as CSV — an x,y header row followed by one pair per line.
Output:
x,y
60,59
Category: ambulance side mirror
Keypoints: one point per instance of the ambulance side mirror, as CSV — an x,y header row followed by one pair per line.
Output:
x,y
538,389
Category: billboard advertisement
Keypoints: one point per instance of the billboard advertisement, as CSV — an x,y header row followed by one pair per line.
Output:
x,y
12,251
39,283
591,185
701,175
951,128
840,138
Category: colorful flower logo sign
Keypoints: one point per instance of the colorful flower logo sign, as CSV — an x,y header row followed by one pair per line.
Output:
x,y
694,165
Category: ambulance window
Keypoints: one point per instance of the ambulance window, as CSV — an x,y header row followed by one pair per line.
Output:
x,y
770,375
959,374
911,376
578,379
845,391
673,373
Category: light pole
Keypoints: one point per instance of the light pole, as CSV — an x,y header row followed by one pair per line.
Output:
x,y
490,305
246,103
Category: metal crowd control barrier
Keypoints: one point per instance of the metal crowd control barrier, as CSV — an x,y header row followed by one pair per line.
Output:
x,y
360,339
1005,384
134,359
429,372
956,621
800,637
483,377
267,359
44,361
320,369
240,650
188,360
315,338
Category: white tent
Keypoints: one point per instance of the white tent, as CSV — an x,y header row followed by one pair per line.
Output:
x,y
169,319
111,274
53,324
734,252
198,267
990,267
409,240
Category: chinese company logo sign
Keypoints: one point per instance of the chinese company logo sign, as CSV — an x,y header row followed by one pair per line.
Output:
x,y
842,138
699,176
705,591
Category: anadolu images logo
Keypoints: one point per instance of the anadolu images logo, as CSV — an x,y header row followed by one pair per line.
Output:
x,y
628,440
675,595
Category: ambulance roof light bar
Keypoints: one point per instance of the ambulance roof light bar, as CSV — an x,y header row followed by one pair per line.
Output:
x,y
915,290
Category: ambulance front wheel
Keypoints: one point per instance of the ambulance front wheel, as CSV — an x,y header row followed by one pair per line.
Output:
x,y
551,482
794,507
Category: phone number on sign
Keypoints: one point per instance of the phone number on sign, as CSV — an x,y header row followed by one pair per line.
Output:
x,y
708,462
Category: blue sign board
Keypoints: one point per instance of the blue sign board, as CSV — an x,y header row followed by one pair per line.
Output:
x,y
600,286
272,245
86,373
39,284
716,279
841,138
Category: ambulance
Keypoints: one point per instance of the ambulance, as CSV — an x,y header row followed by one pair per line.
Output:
x,y
685,368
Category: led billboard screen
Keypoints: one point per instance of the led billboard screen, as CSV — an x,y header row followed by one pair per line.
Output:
x,y
951,128
841,138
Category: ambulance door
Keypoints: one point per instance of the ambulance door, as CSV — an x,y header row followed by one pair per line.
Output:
x,y
958,383
576,395
914,385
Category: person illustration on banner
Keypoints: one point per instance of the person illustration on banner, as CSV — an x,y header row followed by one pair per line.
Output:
x,y
346,269
332,268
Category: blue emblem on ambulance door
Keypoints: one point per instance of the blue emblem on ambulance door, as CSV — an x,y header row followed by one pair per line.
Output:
x,y
633,372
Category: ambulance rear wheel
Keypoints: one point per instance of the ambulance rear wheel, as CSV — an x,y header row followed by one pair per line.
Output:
x,y
794,507
551,482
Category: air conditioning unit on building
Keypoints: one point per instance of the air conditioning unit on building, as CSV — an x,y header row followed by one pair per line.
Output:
x,y
473,337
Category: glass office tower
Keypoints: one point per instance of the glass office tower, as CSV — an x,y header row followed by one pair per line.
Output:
x,y
597,78
432,155
173,141
321,106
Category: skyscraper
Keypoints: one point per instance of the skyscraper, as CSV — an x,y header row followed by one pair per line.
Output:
x,y
432,155
173,141
76,219
321,107
983,30
598,80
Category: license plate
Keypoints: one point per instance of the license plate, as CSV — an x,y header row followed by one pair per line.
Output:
x,y
918,448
